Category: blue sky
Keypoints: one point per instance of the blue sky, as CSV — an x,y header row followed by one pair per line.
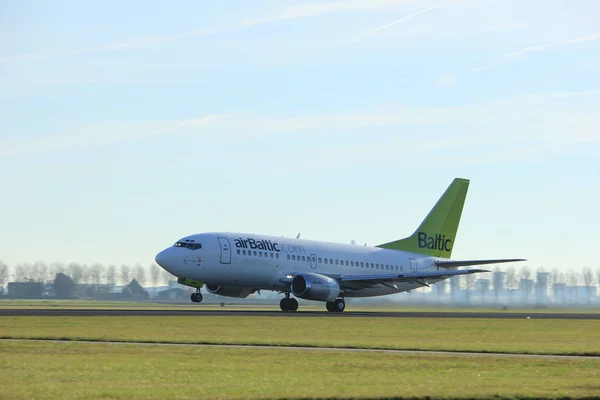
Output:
x,y
126,125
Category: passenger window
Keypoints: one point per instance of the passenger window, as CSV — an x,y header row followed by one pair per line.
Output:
x,y
319,260
288,256
294,258
337,262
352,263
396,268
303,259
238,251
331,261
362,264
271,255
276,255
325,261
254,253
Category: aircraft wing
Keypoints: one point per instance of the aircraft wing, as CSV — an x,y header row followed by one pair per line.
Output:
x,y
466,263
408,277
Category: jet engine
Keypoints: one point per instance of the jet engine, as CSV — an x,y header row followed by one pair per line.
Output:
x,y
230,291
311,286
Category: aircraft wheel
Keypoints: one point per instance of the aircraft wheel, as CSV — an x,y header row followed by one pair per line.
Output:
x,y
283,304
193,297
339,305
199,297
330,306
293,304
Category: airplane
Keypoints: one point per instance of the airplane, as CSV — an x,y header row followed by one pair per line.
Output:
x,y
239,264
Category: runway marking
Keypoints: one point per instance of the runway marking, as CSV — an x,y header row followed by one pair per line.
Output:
x,y
306,348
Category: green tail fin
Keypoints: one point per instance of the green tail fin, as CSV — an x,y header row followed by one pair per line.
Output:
x,y
436,234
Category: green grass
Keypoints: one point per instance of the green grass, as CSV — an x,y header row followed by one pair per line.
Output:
x,y
51,371
479,335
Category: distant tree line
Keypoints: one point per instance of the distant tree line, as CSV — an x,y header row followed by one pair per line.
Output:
x,y
95,274
153,275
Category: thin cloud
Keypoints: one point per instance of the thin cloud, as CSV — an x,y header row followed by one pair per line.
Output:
x,y
399,21
530,112
127,44
317,9
508,57
106,134
293,12
446,80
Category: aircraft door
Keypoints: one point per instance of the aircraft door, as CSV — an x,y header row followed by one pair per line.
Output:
x,y
225,250
413,265
313,261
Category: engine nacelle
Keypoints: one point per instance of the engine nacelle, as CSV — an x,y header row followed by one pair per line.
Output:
x,y
230,291
315,287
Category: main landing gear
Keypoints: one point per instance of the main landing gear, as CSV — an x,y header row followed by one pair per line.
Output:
x,y
338,305
288,303
196,297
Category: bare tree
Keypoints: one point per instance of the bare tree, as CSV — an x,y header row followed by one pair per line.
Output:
x,y
554,276
96,274
111,274
154,274
573,278
140,274
525,272
3,274
588,276
125,274
75,272
56,268
511,278
39,271
598,275
23,272
588,280
85,274
166,276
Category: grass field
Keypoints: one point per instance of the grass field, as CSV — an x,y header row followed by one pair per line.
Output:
x,y
577,337
32,370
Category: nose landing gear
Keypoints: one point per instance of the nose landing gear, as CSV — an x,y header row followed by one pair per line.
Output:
x,y
196,297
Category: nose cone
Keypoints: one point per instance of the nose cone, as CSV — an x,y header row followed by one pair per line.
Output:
x,y
161,258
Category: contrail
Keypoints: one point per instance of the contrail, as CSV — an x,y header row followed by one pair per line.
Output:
x,y
507,57
372,31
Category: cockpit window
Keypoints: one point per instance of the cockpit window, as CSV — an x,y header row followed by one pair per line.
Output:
x,y
188,245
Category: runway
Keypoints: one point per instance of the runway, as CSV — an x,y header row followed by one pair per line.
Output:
x,y
65,312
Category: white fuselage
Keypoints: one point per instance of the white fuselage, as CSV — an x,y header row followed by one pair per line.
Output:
x,y
263,262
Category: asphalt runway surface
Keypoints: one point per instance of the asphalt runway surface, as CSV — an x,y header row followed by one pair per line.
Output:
x,y
304,348
65,312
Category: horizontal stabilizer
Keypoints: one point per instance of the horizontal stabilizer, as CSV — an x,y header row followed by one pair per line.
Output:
x,y
466,263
